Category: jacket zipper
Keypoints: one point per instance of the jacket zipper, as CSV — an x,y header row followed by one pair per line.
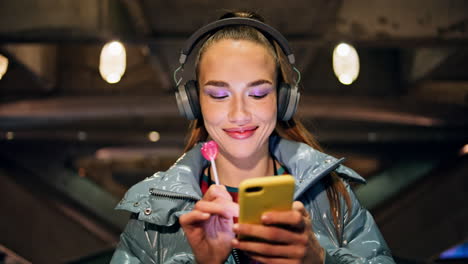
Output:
x,y
173,195
236,256
188,197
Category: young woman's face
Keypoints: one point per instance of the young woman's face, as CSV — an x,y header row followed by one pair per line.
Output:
x,y
237,81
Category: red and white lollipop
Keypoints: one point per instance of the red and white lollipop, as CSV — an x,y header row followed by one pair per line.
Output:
x,y
209,150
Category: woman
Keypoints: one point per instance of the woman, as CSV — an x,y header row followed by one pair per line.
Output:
x,y
180,217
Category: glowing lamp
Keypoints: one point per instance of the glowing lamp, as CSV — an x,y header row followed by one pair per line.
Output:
x,y
345,63
3,65
113,62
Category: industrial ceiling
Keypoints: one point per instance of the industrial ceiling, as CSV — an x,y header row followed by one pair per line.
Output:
x,y
71,143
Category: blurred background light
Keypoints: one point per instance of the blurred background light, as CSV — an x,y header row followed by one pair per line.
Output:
x,y
82,136
456,252
10,135
153,136
3,65
113,62
345,63
464,150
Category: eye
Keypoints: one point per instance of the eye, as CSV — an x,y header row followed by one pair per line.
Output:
x,y
218,97
259,93
217,94
258,96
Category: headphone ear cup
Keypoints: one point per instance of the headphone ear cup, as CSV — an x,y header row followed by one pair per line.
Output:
x,y
288,99
283,99
192,90
187,100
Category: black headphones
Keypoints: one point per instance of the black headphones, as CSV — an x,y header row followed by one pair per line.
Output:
x,y
187,94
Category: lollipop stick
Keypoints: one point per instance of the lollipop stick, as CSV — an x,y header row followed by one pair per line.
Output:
x,y
215,172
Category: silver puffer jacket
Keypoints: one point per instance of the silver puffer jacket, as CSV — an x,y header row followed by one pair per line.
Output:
x,y
153,234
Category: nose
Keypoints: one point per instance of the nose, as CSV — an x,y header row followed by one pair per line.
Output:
x,y
239,113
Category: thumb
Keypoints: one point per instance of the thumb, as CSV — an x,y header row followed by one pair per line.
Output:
x,y
298,206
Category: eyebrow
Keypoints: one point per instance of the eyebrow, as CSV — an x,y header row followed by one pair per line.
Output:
x,y
217,83
250,84
258,82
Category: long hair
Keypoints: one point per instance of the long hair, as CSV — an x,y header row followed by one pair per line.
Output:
x,y
292,129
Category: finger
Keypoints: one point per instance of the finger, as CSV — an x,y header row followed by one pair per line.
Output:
x,y
298,206
193,217
217,191
270,250
293,220
262,259
272,234
224,208
234,207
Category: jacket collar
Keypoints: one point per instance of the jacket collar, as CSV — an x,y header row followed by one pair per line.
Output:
x,y
304,162
307,164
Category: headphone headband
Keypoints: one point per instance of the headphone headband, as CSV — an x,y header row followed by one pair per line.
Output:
x,y
233,21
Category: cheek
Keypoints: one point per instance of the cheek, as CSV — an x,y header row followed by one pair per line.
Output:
x,y
212,113
269,109
266,112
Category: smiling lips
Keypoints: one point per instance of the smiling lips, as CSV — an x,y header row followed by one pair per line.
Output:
x,y
241,132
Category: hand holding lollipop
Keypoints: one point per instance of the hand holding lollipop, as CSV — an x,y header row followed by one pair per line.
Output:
x,y
209,150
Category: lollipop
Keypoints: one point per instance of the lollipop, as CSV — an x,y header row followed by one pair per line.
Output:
x,y
209,150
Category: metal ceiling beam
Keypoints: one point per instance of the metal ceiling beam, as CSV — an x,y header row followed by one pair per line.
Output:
x,y
137,14
387,184
36,211
441,92
11,257
68,109
38,60
381,23
80,190
176,135
308,54
160,67
430,215
422,22
52,21
426,60
84,192
35,15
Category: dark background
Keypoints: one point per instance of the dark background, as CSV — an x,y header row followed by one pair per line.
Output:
x,y
71,144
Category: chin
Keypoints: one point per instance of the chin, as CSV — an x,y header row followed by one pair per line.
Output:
x,y
241,153
241,149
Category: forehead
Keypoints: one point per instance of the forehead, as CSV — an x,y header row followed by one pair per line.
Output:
x,y
237,56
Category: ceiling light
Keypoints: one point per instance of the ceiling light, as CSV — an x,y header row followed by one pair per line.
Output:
x,y
113,62
153,136
345,63
3,65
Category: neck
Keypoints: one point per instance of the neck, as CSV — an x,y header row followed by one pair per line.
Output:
x,y
231,171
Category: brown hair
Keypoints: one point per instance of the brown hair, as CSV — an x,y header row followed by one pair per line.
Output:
x,y
292,129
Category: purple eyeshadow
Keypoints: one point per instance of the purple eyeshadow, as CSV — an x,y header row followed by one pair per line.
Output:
x,y
217,92
260,91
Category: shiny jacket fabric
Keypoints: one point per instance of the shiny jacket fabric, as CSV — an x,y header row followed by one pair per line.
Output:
x,y
153,234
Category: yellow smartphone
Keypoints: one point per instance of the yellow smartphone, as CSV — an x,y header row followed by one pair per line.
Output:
x,y
263,194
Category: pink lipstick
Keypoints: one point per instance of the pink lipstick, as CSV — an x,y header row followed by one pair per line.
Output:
x,y
241,132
